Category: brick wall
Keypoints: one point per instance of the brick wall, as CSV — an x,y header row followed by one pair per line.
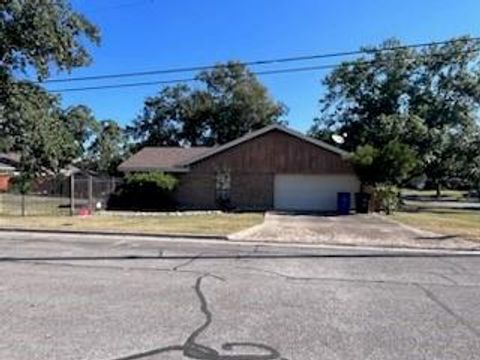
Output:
x,y
253,166
248,191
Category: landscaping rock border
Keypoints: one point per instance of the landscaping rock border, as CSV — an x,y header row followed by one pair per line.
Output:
x,y
157,213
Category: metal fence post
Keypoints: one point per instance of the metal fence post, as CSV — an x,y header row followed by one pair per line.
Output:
x,y
90,193
112,184
22,205
72,194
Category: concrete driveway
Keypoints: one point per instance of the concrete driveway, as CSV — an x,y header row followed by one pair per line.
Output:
x,y
359,229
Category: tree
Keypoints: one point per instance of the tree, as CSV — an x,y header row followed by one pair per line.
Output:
x,y
420,99
108,149
35,130
390,165
471,162
239,103
82,126
38,34
36,37
359,92
229,103
160,123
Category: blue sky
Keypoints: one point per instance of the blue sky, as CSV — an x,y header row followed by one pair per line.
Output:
x,y
140,35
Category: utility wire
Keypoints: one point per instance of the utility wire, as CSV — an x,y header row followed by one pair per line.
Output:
x,y
257,62
260,73
174,81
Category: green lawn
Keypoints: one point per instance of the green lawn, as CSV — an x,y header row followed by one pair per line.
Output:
x,y
459,222
215,224
11,204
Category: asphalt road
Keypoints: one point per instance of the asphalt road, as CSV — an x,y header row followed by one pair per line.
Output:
x,y
77,297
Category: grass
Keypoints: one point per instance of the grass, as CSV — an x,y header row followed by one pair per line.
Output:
x,y
454,222
215,224
11,204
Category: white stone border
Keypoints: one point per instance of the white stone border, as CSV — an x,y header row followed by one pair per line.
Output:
x,y
157,213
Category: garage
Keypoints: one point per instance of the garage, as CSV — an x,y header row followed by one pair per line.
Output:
x,y
312,192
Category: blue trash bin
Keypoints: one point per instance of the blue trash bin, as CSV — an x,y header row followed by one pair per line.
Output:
x,y
343,203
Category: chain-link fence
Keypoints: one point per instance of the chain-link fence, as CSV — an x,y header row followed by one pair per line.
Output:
x,y
60,195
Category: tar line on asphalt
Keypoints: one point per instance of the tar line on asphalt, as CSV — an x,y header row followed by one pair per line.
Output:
x,y
257,255
194,350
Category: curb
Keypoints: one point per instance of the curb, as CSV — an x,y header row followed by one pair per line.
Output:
x,y
272,243
350,246
116,233
245,233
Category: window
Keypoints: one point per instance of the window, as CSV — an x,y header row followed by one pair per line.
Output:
x,y
222,185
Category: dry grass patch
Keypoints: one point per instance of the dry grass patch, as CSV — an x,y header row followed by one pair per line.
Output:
x,y
455,222
215,224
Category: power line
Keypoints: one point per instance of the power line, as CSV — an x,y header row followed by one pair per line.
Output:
x,y
174,81
126,85
260,73
257,62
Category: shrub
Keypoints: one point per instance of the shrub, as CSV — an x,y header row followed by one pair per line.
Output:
x,y
145,191
387,198
154,179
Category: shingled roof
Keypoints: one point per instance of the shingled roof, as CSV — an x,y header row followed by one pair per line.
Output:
x,y
162,159
178,159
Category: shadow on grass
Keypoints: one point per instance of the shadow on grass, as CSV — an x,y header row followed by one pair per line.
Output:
x,y
440,210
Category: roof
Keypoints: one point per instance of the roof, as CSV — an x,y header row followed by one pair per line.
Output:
x,y
11,161
11,158
262,131
177,159
161,158
4,167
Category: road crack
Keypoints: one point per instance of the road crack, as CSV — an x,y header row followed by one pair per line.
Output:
x,y
188,262
451,283
446,308
194,350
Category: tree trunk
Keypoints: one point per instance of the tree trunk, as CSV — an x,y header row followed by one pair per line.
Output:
x,y
438,190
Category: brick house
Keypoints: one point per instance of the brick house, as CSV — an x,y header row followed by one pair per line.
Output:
x,y
271,168
8,168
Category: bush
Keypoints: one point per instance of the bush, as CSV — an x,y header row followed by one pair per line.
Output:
x,y
145,191
387,198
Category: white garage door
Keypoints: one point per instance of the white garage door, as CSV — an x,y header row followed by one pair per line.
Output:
x,y
312,192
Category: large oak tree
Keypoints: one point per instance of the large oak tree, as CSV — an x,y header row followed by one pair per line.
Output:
x,y
36,38
228,102
423,100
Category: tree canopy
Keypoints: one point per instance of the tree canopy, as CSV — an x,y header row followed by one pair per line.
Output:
x,y
34,129
108,148
424,100
40,34
228,103
37,36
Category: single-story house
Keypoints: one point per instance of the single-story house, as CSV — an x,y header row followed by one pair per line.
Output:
x,y
8,168
271,168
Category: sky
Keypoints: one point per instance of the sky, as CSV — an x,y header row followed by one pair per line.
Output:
x,y
143,35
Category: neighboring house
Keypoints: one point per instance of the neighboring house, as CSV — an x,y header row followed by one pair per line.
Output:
x,y
10,164
8,168
271,168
